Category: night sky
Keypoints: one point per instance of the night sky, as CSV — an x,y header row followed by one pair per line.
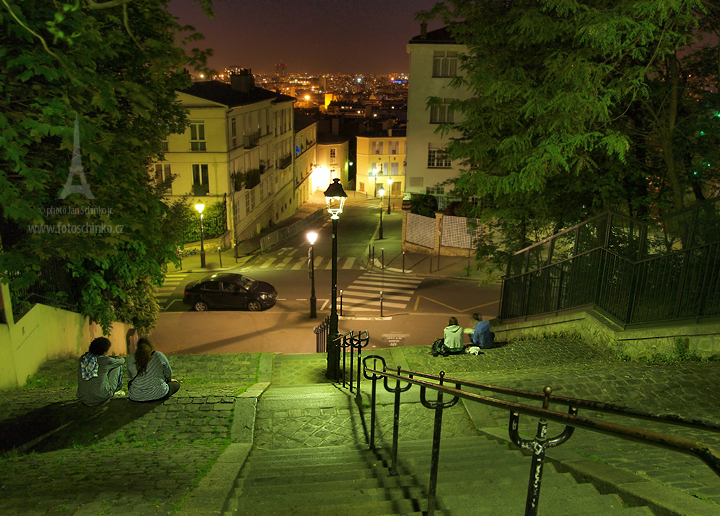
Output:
x,y
312,36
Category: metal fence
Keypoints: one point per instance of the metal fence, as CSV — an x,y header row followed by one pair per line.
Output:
x,y
54,286
270,240
421,230
637,272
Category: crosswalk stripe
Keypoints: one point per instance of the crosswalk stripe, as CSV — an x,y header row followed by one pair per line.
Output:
x,y
381,284
299,265
319,260
377,288
362,302
286,261
349,263
268,262
391,278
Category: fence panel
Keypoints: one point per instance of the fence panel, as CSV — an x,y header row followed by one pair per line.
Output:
x,y
460,232
421,230
281,234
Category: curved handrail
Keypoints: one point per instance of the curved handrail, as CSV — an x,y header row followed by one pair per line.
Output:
x,y
700,450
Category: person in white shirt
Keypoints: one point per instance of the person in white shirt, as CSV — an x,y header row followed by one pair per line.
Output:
x,y
150,374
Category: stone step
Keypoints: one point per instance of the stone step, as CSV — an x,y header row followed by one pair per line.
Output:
x,y
490,480
257,475
567,501
486,454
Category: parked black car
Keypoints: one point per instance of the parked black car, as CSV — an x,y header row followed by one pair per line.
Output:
x,y
228,290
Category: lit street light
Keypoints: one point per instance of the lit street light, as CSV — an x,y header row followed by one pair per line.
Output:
x,y
312,236
382,194
200,207
390,182
335,198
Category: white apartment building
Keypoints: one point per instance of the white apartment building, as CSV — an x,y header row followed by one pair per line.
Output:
x,y
333,160
237,149
434,62
381,163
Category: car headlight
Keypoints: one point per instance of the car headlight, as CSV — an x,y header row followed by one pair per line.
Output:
x,y
264,296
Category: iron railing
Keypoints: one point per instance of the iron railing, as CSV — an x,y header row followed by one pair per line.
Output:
x,y
541,442
322,332
355,343
281,234
637,272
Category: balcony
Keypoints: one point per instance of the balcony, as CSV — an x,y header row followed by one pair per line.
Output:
x,y
251,140
200,190
285,162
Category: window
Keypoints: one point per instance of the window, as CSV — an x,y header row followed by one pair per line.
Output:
x,y
233,133
396,187
332,155
162,177
394,169
442,113
435,190
262,190
393,147
377,169
247,203
377,147
201,180
164,146
362,186
252,199
444,64
197,136
438,158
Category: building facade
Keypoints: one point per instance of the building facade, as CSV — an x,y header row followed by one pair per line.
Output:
x,y
434,63
238,150
381,163
333,160
305,160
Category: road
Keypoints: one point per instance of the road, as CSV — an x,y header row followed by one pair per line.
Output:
x,y
414,309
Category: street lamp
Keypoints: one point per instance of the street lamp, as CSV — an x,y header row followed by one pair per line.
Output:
x,y
312,236
390,182
200,207
382,194
335,198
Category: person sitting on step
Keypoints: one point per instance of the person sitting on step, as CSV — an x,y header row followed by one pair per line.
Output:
x,y
150,374
482,336
100,377
453,338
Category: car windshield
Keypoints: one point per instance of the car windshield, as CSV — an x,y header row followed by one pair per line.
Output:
x,y
246,283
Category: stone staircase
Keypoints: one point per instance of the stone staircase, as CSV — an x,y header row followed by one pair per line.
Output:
x,y
477,476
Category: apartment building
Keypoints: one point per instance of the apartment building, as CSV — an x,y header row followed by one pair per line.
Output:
x,y
305,160
333,160
238,149
434,62
381,163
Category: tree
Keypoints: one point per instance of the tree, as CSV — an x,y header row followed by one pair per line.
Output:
x,y
111,68
583,105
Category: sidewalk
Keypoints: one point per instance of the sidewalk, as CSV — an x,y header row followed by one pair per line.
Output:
x,y
61,458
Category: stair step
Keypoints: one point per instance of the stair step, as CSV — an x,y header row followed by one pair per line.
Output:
x,y
568,501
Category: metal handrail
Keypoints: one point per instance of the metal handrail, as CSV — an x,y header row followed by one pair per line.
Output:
x,y
541,442
597,406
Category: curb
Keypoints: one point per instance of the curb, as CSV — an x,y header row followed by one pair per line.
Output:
x,y
210,496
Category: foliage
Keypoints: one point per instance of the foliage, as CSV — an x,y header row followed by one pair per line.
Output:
x,y
582,105
423,204
214,222
114,67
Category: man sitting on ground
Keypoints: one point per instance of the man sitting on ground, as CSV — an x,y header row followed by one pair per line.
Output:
x,y
482,337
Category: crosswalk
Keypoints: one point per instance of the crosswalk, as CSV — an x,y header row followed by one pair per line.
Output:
x,y
294,259
170,284
363,295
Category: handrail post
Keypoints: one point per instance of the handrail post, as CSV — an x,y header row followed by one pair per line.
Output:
x,y
352,349
396,420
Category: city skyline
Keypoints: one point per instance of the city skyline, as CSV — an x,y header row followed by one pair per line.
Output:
x,y
316,37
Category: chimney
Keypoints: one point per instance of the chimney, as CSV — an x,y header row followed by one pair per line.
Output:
x,y
243,80
423,30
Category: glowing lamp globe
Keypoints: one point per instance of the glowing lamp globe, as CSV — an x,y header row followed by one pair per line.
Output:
x,y
335,198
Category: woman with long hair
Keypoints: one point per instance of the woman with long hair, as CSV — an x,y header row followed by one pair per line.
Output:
x,y
150,374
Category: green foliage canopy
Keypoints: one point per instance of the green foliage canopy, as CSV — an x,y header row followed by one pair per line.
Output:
x,y
582,105
115,67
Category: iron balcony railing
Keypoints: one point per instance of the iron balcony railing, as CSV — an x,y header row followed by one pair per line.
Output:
x,y
541,442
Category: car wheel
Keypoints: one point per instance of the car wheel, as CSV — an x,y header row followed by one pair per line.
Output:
x,y
200,306
254,306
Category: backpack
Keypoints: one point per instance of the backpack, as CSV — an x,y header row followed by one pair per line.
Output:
x,y
438,347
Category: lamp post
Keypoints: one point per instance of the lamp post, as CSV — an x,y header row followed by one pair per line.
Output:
x,y
312,236
200,207
382,194
390,182
335,198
